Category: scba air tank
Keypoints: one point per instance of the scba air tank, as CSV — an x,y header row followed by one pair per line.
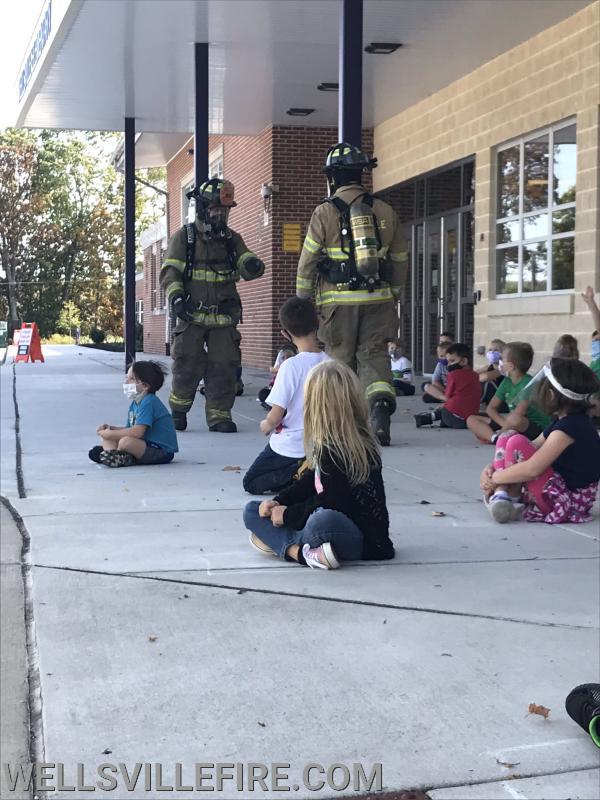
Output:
x,y
364,239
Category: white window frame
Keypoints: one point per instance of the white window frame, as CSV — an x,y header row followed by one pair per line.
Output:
x,y
139,311
215,170
550,209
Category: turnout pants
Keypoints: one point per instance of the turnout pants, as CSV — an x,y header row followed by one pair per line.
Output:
x,y
212,354
357,335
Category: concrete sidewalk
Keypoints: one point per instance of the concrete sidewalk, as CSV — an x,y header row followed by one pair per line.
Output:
x,y
426,664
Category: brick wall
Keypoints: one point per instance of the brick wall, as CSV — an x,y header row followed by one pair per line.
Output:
x,y
291,158
550,77
154,318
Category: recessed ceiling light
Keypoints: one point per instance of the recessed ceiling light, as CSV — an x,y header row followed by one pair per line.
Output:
x,y
299,112
328,87
382,48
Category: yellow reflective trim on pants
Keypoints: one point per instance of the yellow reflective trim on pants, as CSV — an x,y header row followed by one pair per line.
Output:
x,y
176,287
311,245
400,256
174,262
180,402
355,297
217,413
380,387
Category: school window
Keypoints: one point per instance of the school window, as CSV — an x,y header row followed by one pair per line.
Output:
x,y
139,312
535,212
161,289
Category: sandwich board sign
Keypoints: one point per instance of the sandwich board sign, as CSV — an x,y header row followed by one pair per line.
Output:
x,y
29,346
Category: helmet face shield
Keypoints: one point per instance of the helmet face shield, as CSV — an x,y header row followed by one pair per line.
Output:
x,y
217,216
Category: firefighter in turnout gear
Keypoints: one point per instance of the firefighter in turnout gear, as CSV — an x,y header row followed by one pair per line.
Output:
x,y
353,263
204,260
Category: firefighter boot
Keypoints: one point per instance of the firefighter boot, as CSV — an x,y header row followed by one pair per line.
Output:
x,y
381,412
179,420
223,426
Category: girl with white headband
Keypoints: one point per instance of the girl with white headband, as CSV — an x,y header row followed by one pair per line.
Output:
x,y
554,478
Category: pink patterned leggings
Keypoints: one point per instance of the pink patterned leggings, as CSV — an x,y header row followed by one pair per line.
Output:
x,y
513,448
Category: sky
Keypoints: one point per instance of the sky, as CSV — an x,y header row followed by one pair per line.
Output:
x,y
18,20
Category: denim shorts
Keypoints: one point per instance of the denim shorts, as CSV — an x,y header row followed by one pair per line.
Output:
x,y
154,454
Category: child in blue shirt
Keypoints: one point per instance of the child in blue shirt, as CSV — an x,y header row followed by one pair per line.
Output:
x,y
149,436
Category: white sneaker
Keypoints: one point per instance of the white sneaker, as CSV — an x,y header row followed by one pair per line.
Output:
x,y
259,545
321,557
503,508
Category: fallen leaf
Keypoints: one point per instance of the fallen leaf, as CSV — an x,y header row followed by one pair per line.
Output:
x,y
384,622
541,710
106,752
262,724
438,514
447,654
507,764
425,503
241,591
152,637
232,469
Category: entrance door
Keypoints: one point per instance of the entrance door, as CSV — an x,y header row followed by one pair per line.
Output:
x,y
448,290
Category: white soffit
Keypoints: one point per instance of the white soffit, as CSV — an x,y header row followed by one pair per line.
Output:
x,y
114,58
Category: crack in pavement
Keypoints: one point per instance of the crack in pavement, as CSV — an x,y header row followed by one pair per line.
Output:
x,y
323,598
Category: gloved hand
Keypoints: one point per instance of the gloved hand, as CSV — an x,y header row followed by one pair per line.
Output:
x,y
253,267
182,308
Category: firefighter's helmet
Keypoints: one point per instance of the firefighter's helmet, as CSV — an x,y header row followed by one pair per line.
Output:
x,y
214,193
347,157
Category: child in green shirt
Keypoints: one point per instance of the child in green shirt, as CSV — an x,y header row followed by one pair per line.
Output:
x,y
505,411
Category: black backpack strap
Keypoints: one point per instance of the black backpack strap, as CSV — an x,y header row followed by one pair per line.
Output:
x,y
190,249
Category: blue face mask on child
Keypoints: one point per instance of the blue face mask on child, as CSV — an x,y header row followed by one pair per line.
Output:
x,y
443,362
595,349
493,356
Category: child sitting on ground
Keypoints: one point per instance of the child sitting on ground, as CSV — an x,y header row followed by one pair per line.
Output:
x,y
149,436
402,369
461,397
337,510
287,351
275,467
434,392
490,377
566,347
555,478
523,416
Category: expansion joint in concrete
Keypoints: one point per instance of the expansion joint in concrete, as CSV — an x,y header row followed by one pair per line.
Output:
x,y
321,598
18,450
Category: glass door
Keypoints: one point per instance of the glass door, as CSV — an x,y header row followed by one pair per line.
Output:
x,y
449,300
432,296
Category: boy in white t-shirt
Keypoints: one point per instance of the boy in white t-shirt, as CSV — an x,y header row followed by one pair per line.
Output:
x,y
274,468
402,369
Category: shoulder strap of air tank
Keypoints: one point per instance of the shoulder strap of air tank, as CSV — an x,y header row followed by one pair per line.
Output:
x,y
190,247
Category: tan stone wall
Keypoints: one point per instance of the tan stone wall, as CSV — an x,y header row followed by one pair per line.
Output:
x,y
550,77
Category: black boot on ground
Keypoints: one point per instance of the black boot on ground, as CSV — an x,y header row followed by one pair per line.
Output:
x,y
424,418
583,706
223,426
94,453
179,420
381,413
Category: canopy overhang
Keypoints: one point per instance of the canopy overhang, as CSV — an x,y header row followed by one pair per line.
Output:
x,y
105,60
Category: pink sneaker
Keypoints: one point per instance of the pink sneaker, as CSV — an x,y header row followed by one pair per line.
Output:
x,y
321,557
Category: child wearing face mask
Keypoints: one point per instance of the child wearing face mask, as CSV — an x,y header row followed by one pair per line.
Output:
x,y
461,395
523,415
149,435
588,299
490,377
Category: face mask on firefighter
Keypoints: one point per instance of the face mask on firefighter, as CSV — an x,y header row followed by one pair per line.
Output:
x,y
217,217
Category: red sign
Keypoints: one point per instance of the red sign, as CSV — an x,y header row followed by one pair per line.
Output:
x,y
29,344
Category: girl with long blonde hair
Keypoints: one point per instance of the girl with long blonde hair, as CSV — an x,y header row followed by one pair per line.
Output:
x,y
337,510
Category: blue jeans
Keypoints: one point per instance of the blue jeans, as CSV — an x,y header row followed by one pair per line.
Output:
x,y
323,525
270,472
